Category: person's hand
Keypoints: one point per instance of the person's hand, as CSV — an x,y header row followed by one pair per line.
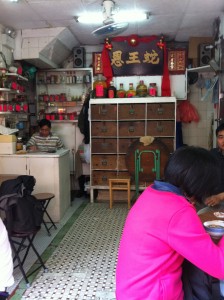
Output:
x,y
33,148
214,200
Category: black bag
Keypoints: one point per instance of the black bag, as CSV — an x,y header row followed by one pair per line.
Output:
x,y
26,215
23,212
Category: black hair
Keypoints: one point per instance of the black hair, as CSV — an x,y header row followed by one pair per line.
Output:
x,y
44,122
194,170
219,128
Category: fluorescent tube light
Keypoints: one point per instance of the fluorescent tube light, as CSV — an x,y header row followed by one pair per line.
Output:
x,y
121,16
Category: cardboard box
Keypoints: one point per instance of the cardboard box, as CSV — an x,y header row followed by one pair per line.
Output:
x,y
194,42
7,144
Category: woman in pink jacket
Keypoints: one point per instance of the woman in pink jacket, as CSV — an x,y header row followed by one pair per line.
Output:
x,y
163,228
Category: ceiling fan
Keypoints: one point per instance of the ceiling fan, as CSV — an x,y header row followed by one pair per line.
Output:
x,y
110,27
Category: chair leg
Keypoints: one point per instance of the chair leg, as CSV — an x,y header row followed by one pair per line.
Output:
x,y
111,195
44,206
20,265
37,254
129,195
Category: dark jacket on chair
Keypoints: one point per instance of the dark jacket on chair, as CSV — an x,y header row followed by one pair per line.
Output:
x,y
23,213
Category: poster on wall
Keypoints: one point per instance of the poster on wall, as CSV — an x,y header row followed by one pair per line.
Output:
x,y
143,58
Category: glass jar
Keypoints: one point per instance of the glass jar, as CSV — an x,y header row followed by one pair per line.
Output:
x,y
131,92
152,90
121,92
100,87
19,143
112,91
141,90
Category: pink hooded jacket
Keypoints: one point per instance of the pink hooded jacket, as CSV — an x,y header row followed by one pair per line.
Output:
x,y
162,229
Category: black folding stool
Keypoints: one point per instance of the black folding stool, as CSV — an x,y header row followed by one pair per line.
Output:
x,y
45,199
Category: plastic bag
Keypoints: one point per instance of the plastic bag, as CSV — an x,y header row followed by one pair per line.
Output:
x,y
187,112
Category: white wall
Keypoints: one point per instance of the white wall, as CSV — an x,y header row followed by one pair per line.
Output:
x,y
201,133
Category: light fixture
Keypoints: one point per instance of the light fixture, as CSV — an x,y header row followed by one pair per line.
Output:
x,y
11,32
121,16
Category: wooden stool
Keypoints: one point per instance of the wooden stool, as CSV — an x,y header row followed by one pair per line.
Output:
x,y
121,184
45,199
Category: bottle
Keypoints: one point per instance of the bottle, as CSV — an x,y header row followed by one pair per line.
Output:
x,y
111,91
141,90
121,93
100,87
152,90
19,144
131,92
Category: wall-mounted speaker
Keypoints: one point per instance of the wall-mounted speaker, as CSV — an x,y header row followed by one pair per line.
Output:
x,y
205,54
79,57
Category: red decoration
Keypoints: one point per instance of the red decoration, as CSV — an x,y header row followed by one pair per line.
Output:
x,y
161,44
165,87
107,70
133,40
108,44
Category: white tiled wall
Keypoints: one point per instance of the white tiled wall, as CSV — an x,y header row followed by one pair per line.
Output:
x,y
201,133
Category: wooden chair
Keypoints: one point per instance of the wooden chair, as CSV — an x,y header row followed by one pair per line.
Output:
x,y
120,184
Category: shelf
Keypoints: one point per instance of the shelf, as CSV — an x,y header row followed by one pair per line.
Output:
x,y
17,75
134,99
5,90
203,69
64,104
14,113
65,70
63,83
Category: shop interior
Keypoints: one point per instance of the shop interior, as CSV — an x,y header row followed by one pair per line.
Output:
x,y
53,59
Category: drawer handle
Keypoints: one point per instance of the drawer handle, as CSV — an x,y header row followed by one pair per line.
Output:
x,y
131,111
105,145
160,110
159,128
104,178
131,129
103,110
104,129
104,162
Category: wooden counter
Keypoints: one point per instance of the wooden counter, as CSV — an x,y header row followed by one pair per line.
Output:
x,y
52,174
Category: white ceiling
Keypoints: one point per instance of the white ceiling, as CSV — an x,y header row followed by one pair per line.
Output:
x,y
177,19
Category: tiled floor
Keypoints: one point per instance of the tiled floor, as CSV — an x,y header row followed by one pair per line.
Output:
x,y
42,242
82,265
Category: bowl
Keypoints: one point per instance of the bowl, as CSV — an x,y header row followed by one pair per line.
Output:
x,y
215,228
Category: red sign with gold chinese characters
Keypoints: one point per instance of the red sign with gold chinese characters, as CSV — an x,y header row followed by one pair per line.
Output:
x,y
97,63
140,58
177,61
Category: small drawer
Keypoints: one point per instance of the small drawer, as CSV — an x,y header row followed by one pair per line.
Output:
x,y
131,111
104,162
132,129
104,129
124,144
104,145
161,111
104,112
161,128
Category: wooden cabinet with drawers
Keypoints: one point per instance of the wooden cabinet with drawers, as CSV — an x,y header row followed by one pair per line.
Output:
x,y
115,124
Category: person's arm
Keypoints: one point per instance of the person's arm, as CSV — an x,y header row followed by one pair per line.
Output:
x,y
215,199
31,144
59,144
6,264
188,237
